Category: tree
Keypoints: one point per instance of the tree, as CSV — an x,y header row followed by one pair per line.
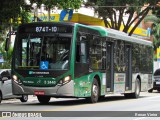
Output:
x,y
12,10
50,4
156,35
7,56
155,32
108,9
155,29
12,13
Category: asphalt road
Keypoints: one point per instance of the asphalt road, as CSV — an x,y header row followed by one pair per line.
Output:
x,y
147,107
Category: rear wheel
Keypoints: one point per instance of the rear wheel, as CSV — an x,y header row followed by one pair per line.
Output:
x,y
94,92
43,99
137,90
24,98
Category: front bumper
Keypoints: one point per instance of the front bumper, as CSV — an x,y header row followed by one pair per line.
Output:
x,y
65,90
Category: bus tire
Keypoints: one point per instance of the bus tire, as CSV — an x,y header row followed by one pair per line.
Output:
x,y
44,99
94,92
136,92
24,98
150,90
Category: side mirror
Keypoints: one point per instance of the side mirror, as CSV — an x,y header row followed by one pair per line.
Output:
x,y
7,44
5,75
2,79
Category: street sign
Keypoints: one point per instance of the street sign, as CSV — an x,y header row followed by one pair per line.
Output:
x,y
66,15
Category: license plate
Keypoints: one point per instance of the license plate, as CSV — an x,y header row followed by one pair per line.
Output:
x,y
158,83
39,92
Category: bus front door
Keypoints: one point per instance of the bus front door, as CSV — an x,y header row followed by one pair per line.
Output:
x,y
109,67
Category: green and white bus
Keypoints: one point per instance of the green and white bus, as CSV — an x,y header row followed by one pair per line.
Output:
x,y
62,59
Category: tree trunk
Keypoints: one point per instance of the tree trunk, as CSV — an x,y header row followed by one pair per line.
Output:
x,y
49,14
139,21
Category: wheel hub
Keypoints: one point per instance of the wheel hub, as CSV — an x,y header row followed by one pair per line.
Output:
x,y
95,90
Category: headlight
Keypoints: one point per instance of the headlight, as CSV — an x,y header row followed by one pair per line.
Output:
x,y
65,80
16,79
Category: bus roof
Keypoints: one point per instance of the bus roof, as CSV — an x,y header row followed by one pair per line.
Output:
x,y
104,32
107,32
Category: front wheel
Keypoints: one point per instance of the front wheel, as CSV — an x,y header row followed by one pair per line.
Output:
x,y
24,98
94,92
137,89
43,99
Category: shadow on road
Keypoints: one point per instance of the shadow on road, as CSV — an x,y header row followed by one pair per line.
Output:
x,y
79,101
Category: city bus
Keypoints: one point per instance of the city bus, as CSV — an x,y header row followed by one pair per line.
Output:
x,y
72,60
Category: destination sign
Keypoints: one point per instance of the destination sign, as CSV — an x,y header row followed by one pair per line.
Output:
x,y
45,29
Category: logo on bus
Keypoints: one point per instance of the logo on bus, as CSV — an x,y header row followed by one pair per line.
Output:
x,y
44,65
38,73
30,72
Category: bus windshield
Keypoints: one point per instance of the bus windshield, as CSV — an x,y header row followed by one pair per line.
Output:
x,y
43,51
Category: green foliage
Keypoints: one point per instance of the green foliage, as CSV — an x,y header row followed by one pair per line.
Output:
x,y
12,13
7,56
12,9
156,35
151,18
155,29
25,16
73,4
1,38
156,11
50,4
